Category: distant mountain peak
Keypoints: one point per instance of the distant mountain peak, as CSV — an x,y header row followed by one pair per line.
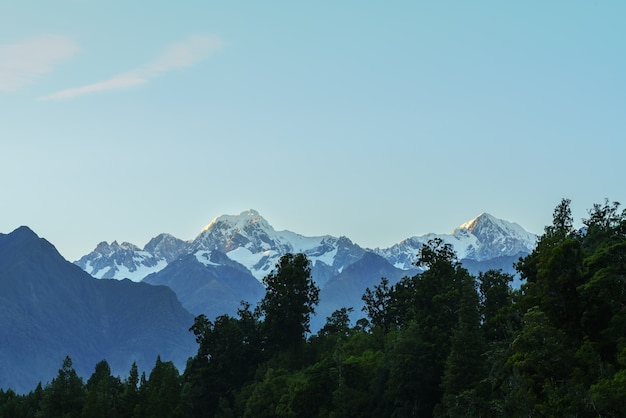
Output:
x,y
481,238
496,237
482,219
485,221
23,233
24,237
24,230
238,222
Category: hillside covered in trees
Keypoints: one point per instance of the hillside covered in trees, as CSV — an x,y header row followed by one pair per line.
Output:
x,y
442,343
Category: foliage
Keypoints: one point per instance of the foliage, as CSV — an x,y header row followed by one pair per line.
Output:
x,y
65,395
290,299
103,393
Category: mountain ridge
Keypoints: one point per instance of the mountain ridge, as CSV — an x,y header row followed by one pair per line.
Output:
x,y
250,240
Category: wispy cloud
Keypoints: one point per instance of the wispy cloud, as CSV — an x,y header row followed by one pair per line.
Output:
x,y
174,56
24,62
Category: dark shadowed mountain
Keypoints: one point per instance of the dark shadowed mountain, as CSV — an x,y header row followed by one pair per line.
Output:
x,y
209,283
506,263
346,289
50,308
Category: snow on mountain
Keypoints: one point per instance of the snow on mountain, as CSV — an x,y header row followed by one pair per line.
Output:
x,y
127,261
404,254
496,238
484,237
251,241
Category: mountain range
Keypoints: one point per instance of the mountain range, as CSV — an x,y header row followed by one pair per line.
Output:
x,y
228,259
90,310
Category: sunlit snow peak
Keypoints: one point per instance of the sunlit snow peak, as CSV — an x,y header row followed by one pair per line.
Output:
x,y
239,222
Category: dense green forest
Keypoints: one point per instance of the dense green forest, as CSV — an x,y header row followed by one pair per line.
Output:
x,y
441,343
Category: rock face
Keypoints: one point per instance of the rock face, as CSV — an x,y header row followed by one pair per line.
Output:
x,y
50,308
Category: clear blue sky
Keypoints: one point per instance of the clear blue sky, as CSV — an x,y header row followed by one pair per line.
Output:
x,y
375,120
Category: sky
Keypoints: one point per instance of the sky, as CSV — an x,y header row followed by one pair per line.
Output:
x,y
373,120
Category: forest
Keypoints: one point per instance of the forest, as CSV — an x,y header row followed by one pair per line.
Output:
x,y
442,343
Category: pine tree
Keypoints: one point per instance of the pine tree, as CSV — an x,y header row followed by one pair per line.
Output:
x,y
64,396
465,366
290,300
103,393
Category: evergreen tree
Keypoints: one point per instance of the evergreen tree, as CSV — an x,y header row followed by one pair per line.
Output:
x,y
378,305
499,319
103,393
465,366
64,396
337,324
11,405
289,302
497,313
412,386
163,390
541,362
129,396
228,354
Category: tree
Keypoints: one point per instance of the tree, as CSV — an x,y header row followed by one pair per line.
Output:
x,y
426,307
103,393
496,305
553,273
64,396
465,366
228,354
267,395
413,384
290,299
378,305
540,363
162,390
609,394
602,294
129,396
338,324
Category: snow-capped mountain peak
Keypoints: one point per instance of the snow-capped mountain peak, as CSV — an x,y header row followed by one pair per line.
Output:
x,y
485,221
496,237
242,222
126,260
229,232
481,238
482,218
249,240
